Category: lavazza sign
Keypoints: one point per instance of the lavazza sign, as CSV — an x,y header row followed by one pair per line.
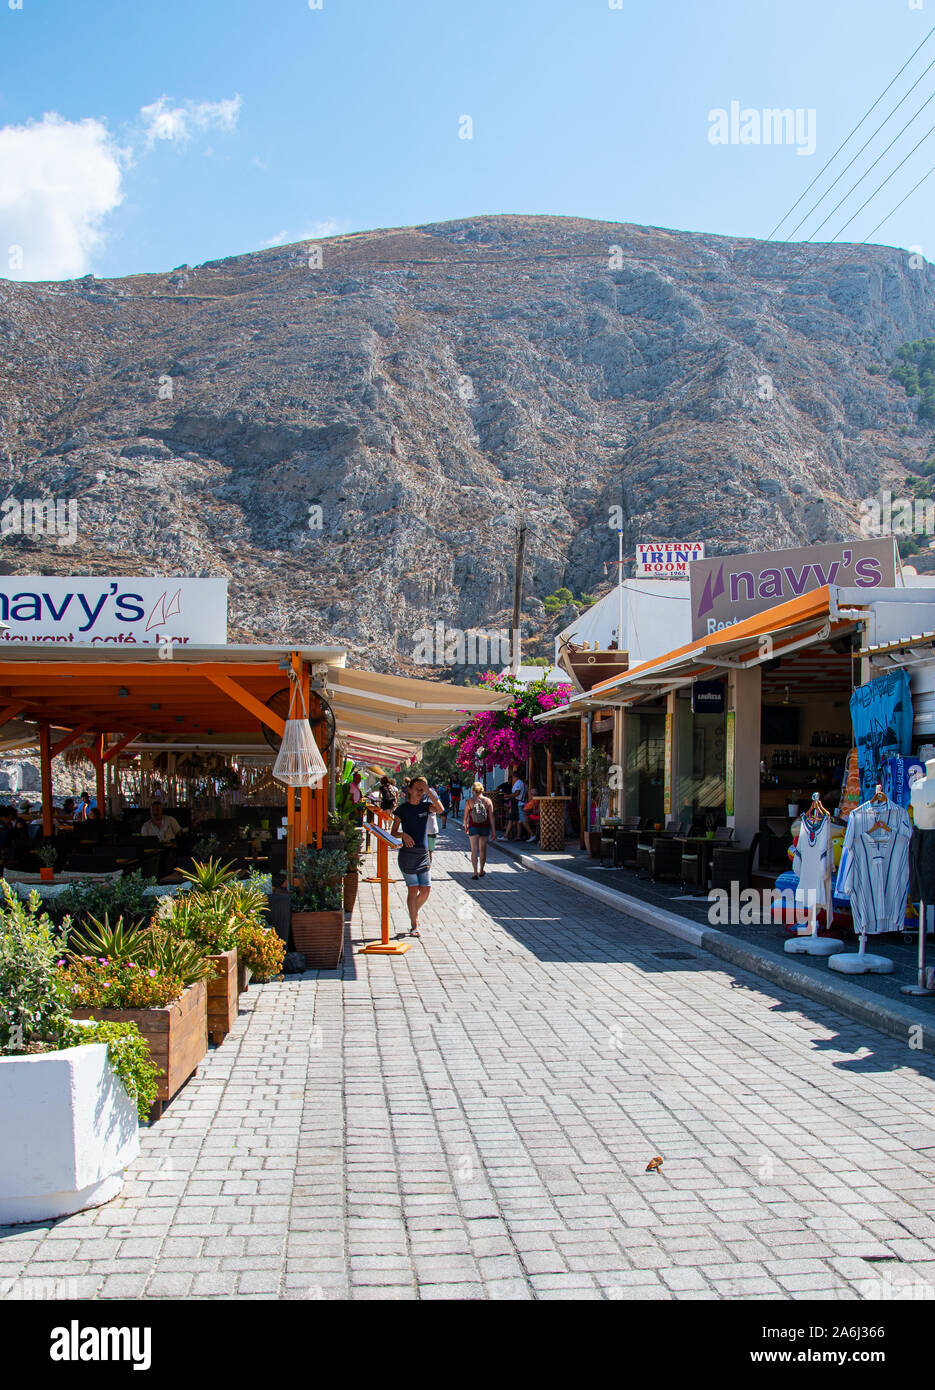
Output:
x,y
102,611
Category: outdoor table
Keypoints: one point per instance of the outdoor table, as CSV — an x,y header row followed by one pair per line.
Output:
x,y
551,821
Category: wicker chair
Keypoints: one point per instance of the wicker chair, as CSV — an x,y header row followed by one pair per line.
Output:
x,y
734,865
665,859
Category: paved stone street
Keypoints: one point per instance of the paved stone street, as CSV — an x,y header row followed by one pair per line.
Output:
x,y
473,1120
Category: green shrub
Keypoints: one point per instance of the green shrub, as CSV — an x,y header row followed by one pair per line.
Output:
x,y
261,949
89,898
34,1003
322,874
353,839
129,1056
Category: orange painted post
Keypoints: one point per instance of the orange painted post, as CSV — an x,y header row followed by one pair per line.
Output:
x,y
45,762
384,947
384,819
98,760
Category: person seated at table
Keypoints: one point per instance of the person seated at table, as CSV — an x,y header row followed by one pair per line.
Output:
x,y
165,828
64,815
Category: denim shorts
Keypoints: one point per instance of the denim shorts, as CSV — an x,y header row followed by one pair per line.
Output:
x,y
422,880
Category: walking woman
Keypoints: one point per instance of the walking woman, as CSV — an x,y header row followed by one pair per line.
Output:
x,y
415,863
479,824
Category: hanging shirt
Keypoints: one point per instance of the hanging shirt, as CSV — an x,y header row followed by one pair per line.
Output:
x,y
881,713
813,862
874,871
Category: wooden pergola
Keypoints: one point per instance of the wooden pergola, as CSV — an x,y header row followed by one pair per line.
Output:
x,y
109,699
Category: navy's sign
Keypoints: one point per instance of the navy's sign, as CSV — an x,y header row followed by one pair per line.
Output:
x,y
98,610
729,588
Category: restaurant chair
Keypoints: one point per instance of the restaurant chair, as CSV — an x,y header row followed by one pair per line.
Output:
x,y
734,865
693,869
626,842
665,859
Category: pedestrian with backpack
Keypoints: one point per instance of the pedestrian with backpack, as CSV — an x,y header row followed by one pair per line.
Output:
x,y
479,826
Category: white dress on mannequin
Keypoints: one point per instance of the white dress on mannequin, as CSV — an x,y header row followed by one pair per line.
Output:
x,y
813,861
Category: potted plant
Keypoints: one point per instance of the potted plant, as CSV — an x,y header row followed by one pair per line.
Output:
x,y
150,977
317,906
71,1095
261,950
47,855
592,770
353,843
208,915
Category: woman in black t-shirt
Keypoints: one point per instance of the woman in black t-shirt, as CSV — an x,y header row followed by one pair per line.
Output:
x,y
411,821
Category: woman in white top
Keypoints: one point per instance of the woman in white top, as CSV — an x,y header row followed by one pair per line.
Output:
x,y
479,825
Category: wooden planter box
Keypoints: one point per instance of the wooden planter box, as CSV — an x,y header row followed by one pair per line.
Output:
x,y
351,884
222,995
177,1036
320,938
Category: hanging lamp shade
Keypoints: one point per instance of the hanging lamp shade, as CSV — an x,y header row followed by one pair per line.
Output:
x,y
299,762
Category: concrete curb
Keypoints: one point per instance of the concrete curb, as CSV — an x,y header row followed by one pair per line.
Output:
x,y
885,1015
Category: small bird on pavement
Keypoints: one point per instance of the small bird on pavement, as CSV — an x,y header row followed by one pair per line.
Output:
x,y
654,1165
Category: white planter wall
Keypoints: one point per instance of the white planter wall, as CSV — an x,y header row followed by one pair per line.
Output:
x,y
67,1131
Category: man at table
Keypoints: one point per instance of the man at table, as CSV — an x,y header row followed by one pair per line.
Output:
x,y
165,828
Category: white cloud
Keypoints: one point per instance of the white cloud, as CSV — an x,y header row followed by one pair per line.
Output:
x,y
163,121
278,240
58,180
330,227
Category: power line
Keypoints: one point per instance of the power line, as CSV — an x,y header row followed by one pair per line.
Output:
x,y
868,141
874,164
852,133
824,251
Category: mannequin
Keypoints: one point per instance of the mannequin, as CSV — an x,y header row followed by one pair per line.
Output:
x,y
922,863
814,863
874,874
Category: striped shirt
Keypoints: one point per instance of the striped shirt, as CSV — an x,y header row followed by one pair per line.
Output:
x,y
874,871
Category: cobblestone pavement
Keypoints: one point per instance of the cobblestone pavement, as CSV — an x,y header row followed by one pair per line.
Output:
x,y
474,1120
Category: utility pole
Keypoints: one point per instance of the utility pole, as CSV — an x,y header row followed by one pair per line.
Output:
x,y
517,598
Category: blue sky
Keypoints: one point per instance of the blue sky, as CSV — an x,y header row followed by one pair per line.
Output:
x,y
140,136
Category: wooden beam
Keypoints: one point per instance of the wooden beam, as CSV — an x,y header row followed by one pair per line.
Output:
x,y
118,747
69,739
98,759
247,701
9,712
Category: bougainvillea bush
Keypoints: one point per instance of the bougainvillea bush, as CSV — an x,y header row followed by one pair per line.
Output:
x,y
497,738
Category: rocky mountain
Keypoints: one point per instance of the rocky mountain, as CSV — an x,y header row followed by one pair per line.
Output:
x,y
430,388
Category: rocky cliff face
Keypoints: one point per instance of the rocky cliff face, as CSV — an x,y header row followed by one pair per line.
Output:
x,y
430,388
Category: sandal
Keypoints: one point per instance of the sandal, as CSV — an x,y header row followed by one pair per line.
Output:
x,y
473,875
414,931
